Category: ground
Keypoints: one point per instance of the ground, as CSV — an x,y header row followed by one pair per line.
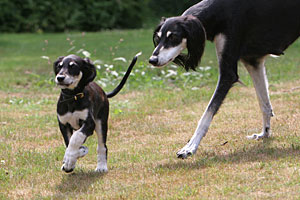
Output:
x,y
147,126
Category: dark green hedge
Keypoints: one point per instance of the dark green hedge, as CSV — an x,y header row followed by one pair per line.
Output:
x,y
84,15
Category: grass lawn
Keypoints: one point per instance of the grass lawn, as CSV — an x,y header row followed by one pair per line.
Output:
x,y
150,120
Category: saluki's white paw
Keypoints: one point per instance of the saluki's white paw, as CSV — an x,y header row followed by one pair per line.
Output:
x,y
101,168
186,151
83,150
259,136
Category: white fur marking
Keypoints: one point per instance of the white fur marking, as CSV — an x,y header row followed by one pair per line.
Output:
x,y
101,150
169,33
260,82
159,34
61,63
191,147
274,56
73,118
70,82
72,152
167,55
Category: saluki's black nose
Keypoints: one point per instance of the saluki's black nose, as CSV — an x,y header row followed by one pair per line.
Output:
x,y
153,60
60,78
67,171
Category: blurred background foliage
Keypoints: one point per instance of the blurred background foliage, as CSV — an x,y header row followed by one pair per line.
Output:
x,y
85,15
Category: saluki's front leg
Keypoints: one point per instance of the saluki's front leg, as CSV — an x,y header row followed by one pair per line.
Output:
x,y
74,149
260,82
227,57
224,84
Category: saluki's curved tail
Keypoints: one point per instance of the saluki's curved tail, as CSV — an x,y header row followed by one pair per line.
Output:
x,y
123,81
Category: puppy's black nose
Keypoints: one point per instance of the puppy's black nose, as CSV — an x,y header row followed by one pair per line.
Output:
x,y
60,78
153,60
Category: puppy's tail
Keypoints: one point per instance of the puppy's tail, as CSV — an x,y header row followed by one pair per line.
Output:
x,y
123,81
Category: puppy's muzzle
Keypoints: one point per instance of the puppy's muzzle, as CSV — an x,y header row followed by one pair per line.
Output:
x,y
60,78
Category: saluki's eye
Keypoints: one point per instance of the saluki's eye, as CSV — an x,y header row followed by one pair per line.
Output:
x,y
173,36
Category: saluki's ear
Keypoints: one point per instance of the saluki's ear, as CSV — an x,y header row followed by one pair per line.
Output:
x,y
196,36
154,37
59,59
89,71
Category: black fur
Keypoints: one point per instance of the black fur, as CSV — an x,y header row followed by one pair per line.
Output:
x,y
193,30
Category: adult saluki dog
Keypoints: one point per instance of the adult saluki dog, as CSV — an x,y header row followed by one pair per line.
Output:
x,y
245,30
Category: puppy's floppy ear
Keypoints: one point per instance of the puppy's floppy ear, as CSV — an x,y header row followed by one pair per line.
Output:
x,y
59,59
196,36
154,37
89,71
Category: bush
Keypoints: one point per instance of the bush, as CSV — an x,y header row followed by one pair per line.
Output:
x,y
84,15
56,16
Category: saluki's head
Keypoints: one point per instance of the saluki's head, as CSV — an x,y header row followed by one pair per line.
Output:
x,y
72,72
175,34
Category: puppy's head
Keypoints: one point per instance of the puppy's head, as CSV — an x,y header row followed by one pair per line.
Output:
x,y
72,72
175,34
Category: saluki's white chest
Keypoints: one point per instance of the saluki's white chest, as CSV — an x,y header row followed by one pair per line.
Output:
x,y
73,118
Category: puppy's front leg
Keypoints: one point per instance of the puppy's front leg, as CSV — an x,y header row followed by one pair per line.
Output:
x,y
74,149
66,131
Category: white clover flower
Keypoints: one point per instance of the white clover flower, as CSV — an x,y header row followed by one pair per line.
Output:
x,y
102,83
120,59
171,73
45,57
115,73
86,54
194,88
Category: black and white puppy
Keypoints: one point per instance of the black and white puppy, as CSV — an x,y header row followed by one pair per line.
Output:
x,y
246,30
82,108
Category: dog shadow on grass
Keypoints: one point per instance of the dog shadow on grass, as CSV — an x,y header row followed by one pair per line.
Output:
x,y
261,151
78,181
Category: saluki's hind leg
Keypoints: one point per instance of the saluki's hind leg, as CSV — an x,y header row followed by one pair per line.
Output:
x,y
101,130
257,72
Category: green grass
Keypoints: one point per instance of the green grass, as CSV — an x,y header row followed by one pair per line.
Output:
x,y
152,118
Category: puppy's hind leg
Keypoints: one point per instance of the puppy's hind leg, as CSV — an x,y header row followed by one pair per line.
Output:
x,y
101,130
258,74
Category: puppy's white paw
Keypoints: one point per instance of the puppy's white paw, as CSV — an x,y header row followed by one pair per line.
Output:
x,y
101,168
83,150
70,159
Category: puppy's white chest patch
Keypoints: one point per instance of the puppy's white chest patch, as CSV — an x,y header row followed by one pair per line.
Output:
x,y
73,118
